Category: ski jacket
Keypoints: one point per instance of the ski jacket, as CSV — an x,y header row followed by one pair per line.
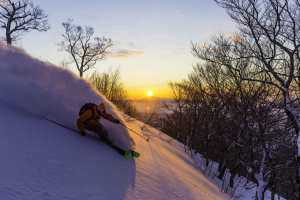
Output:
x,y
93,114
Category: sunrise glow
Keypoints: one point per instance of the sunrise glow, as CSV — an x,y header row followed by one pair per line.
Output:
x,y
150,93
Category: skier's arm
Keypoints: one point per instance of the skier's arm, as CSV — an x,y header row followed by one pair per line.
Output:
x,y
109,117
82,119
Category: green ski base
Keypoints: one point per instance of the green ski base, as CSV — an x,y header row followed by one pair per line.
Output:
x,y
131,154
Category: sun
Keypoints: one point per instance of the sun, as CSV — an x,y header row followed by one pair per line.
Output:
x,y
150,93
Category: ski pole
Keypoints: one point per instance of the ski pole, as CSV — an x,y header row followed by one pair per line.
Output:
x,y
137,133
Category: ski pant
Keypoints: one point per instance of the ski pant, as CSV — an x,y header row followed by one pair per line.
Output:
x,y
96,127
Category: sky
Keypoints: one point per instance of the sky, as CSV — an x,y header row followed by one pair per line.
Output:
x,y
152,38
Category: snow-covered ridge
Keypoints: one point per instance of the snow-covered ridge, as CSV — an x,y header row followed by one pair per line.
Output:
x,y
40,160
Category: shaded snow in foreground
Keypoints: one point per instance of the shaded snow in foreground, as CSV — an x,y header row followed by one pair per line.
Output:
x,y
44,161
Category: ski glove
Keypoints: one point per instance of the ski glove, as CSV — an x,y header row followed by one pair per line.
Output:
x,y
82,133
117,121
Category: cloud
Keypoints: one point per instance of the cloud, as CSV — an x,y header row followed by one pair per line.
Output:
x,y
125,53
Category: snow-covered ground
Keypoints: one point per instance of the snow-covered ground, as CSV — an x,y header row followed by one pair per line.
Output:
x,y
243,189
43,161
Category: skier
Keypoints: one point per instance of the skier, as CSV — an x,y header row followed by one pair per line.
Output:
x,y
89,116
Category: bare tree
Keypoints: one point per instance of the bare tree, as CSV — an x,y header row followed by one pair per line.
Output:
x,y
236,123
19,16
111,86
84,49
270,32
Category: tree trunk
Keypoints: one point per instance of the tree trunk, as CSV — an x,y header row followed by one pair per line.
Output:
x,y
272,195
8,31
260,179
206,161
231,182
293,116
8,40
8,37
222,171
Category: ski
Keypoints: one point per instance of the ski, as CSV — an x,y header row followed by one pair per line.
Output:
x,y
127,154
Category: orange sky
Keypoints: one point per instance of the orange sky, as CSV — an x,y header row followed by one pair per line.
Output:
x,y
141,92
152,39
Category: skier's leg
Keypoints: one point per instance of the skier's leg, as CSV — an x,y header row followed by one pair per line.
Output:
x,y
81,127
104,138
102,132
98,128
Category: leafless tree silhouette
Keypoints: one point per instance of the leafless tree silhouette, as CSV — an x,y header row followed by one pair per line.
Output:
x,y
84,49
110,85
270,38
19,16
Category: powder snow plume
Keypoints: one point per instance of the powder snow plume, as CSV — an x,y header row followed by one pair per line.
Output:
x,y
45,90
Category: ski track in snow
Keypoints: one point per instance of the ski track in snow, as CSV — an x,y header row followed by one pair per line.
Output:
x,y
41,160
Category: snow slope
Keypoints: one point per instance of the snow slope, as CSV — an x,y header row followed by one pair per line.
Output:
x,y
43,161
